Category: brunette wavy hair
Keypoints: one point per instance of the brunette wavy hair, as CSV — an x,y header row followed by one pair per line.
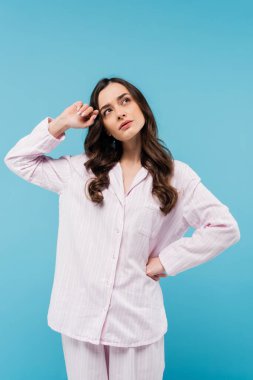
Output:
x,y
104,151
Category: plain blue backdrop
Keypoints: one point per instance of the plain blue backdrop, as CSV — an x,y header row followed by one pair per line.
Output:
x,y
193,62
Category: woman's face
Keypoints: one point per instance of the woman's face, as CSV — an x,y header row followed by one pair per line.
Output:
x,y
116,108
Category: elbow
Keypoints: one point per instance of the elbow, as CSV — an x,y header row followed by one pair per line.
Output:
x,y
7,161
10,162
235,231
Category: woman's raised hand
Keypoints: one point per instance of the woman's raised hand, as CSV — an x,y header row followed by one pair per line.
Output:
x,y
78,115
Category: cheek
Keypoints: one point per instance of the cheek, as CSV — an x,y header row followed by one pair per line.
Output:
x,y
139,113
108,124
141,119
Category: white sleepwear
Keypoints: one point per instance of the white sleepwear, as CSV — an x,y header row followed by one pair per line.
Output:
x,y
101,293
89,361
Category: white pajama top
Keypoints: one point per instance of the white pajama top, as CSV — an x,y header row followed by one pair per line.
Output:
x,y
101,292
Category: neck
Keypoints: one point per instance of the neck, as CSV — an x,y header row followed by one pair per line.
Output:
x,y
131,151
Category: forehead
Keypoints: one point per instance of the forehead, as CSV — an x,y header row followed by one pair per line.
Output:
x,y
110,93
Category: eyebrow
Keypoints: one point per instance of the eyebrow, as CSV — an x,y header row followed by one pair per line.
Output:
x,y
118,98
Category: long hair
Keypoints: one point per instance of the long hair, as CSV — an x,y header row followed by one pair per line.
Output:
x,y
104,151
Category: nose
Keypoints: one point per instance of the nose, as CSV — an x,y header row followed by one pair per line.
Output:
x,y
121,114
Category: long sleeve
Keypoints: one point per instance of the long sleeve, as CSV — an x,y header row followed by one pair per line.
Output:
x,y
215,228
27,159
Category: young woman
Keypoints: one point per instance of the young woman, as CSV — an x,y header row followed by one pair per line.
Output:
x,y
124,206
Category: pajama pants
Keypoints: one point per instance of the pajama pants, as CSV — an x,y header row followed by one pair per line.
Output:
x,y
87,361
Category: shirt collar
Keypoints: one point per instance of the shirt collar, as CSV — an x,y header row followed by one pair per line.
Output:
x,y
116,181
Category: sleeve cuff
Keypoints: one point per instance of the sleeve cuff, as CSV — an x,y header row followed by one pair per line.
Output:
x,y
167,266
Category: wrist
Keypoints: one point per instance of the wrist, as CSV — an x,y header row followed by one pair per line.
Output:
x,y
57,127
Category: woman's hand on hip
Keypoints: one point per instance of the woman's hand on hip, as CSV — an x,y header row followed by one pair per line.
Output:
x,y
155,269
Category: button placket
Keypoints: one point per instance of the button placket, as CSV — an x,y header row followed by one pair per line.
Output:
x,y
114,257
119,232
109,281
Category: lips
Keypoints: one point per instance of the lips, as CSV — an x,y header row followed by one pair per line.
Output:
x,y
125,123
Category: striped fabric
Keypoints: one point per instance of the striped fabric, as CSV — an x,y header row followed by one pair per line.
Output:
x,y
101,293
84,360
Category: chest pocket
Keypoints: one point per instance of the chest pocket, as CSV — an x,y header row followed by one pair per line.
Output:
x,y
149,218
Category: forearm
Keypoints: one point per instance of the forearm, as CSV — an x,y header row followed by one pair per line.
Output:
x,y
215,228
205,244
28,159
57,127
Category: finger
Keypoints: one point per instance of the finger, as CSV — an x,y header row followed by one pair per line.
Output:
x,y
85,110
154,277
94,113
83,107
91,120
78,104
91,109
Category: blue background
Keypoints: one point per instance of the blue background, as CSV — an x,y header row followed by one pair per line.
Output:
x,y
193,62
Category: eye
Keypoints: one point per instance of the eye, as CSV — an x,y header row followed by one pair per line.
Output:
x,y
104,114
106,111
126,99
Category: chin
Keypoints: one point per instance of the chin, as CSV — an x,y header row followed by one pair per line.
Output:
x,y
131,136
